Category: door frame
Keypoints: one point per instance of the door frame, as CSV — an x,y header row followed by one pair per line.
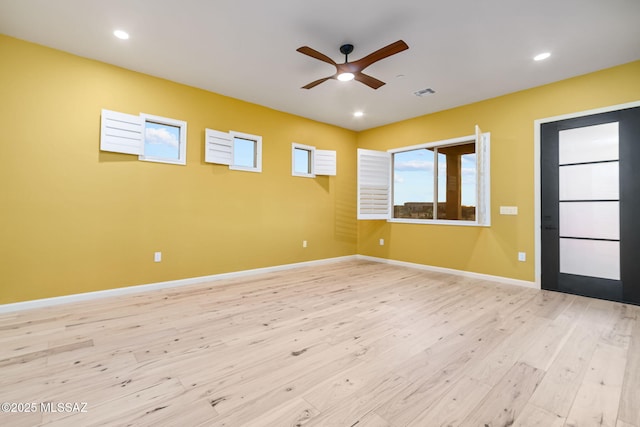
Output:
x,y
537,124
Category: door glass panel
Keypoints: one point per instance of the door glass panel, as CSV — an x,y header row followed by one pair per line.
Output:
x,y
589,144
596,220
592,258
597,181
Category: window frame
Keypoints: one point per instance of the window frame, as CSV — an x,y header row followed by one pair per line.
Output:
x,y
483,182
312,152
321,162
182,149
257,154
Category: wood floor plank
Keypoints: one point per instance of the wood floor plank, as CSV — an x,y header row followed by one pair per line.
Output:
x,y
532,416
629,407
294,413
373,420
455,405
506,401
558,389
598,397
352,343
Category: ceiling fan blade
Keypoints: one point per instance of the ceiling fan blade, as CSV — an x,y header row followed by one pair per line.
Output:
x,y
379,54
315,54
372,82
317,82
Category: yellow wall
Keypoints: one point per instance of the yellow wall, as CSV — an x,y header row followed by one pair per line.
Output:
x,y
74,219
510,119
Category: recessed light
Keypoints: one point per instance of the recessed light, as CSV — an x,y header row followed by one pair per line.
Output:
x,y
358,114
123,35
541,56
345,77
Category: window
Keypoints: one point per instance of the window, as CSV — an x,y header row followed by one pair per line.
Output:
x,y
307,161
302,159
240,151
165,140
152,138
440,182
247,152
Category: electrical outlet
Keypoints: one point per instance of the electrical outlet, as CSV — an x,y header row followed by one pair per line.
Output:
x,y
522,256
304,243
381,242
157,257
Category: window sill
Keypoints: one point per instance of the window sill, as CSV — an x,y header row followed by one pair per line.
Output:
x,y
437,222
245,169
182,162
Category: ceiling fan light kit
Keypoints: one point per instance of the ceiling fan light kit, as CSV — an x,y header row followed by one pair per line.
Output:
x,y
353,70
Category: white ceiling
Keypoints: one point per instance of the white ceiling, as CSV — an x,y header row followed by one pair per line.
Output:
x,y
466,50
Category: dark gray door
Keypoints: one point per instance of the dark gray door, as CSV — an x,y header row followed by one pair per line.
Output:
x,y
590,195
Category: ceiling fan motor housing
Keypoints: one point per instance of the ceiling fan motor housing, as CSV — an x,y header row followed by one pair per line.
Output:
x,y
346,49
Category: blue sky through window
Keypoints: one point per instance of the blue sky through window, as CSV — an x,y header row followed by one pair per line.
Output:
x,y
302,161
413,177
244,152
162,141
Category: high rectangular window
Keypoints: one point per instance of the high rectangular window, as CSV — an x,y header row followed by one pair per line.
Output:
x,y
302,160
244,152
247,152
152,138
240,151
165,140
307,161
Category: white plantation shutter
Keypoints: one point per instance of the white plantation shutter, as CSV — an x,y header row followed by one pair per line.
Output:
x,y
325,162
218,147
374,184
484,182
121,133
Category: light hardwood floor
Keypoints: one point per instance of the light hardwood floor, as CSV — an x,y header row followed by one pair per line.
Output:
x,y
354,343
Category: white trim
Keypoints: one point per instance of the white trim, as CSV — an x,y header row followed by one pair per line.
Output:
x,y
437,222
470,274
536,174
107,293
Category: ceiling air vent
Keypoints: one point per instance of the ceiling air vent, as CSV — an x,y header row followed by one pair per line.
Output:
x,y
424,92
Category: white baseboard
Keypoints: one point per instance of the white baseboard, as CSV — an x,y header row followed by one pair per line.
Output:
x,y
463,273
66,299
48,302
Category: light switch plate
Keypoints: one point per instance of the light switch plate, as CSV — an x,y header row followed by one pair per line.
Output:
x,y
508,210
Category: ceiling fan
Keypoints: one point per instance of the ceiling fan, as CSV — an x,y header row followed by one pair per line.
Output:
x,y
353,70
